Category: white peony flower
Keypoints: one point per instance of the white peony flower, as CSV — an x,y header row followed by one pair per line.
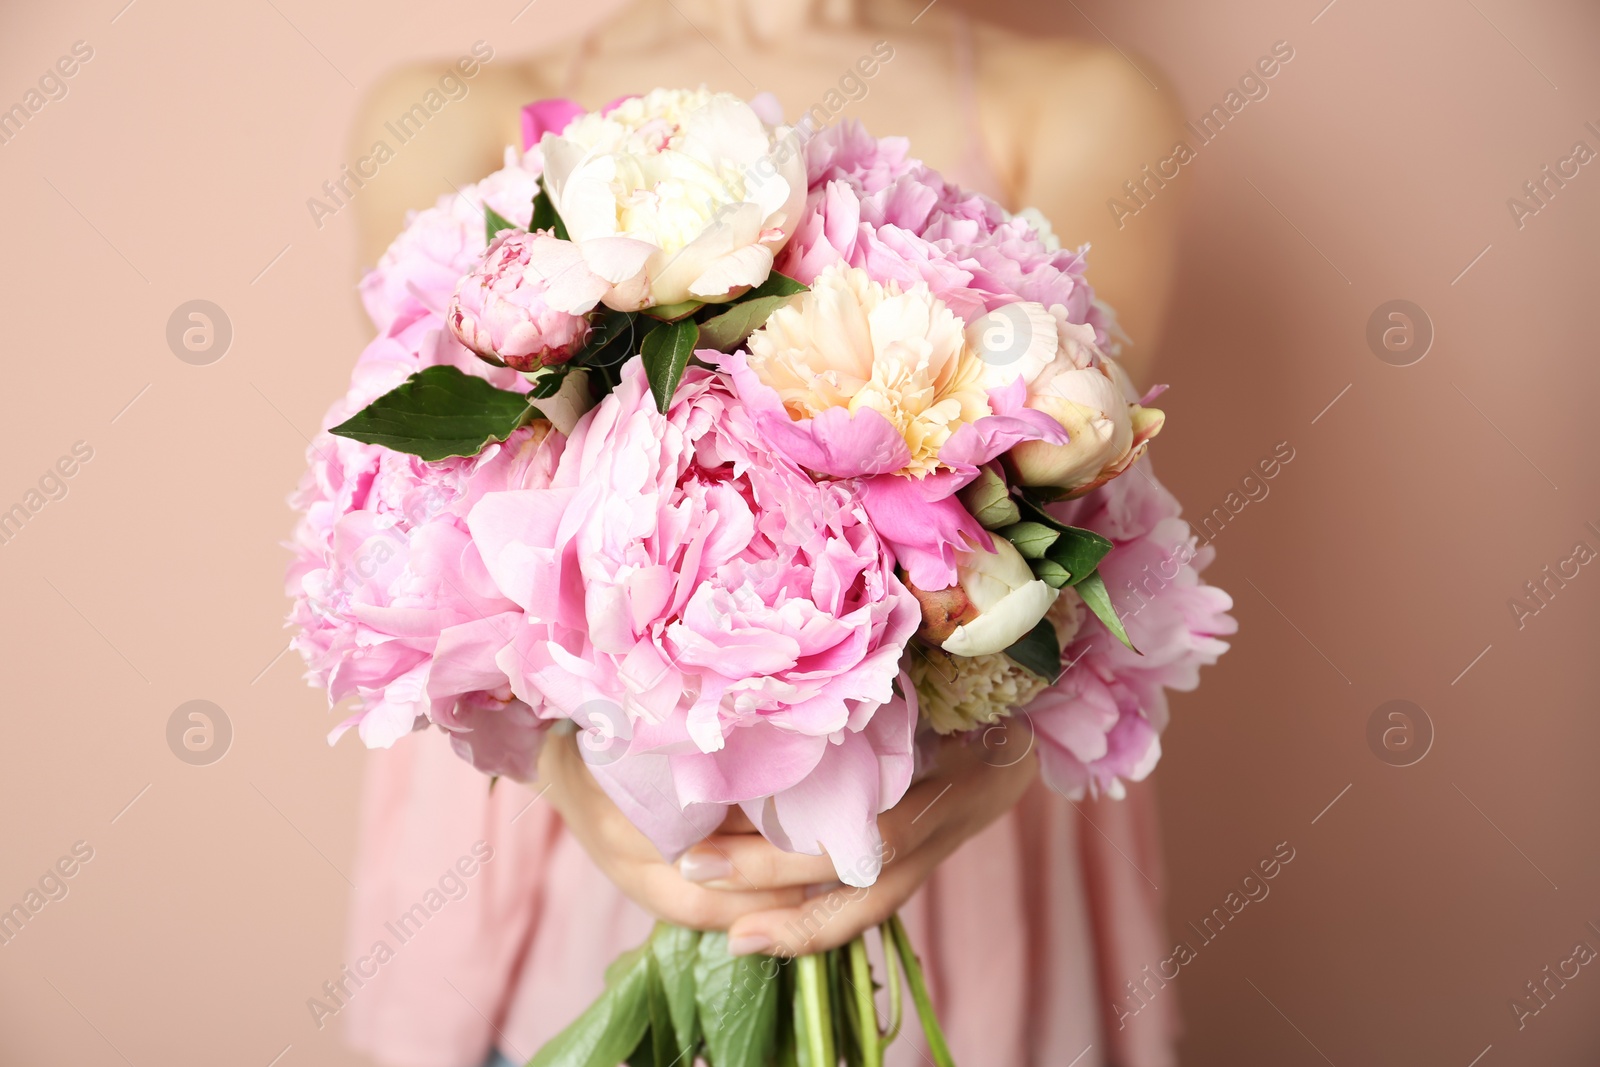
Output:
x,y
676,195
1008,599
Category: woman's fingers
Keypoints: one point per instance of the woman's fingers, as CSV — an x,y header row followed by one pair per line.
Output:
x,y
750,861
828,919
660,890
930,822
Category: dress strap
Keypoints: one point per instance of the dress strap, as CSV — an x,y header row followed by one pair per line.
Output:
x,y
974,168
576,65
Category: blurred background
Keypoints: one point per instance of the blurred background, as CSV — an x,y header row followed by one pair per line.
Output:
x,y
1428,543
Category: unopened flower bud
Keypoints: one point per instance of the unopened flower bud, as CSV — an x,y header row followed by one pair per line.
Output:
x,y
988,498
942,611
526,304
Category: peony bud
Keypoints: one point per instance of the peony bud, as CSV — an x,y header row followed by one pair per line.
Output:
x,y
1092,398
988,498
526,305
942,611
1008,599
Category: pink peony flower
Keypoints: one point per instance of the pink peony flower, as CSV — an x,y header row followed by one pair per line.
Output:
x,y
444,242
873,206
725,629
388,584
384,574
1102,723
527,303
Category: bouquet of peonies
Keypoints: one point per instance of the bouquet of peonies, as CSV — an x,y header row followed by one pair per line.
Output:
x,y
761,459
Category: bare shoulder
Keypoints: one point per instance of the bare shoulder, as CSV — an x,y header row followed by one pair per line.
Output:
x,y
1071,122
1075,95
429,126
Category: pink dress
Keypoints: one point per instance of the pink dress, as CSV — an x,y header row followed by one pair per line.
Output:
x,y
1028,933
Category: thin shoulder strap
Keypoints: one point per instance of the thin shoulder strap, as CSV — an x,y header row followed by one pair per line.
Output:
x,y
974,169
576,65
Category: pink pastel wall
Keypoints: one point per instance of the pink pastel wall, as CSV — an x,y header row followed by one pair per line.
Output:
x,y
1375,566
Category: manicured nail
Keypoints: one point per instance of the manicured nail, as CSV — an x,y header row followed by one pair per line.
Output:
x,y
748,944
705,865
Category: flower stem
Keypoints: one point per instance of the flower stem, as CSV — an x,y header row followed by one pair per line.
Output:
x,y
816,1021
919,995
866,1011
893,970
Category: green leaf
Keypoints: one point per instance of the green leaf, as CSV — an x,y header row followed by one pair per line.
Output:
x,y
549,383
728,331
1077,550
545,216
610,340
437,413
1039,651
1094,593
493,223
645,1054
662,1036
1051,573
1046,494
738,999
666,351
609,1030
1032,539
673,312
776,285
676,949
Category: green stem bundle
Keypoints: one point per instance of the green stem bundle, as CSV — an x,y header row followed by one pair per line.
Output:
x,y
680,998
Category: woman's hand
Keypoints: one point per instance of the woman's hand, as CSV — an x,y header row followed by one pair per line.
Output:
x,y
634,864
964,795
776,902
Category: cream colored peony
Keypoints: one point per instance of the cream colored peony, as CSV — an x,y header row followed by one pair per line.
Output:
x,y
853,343
958,693
676,195
1093,398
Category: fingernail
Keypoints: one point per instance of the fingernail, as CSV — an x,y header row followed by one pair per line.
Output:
x,y
748,944
704,866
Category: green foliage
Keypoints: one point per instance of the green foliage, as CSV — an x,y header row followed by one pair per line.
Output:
x,y
437,413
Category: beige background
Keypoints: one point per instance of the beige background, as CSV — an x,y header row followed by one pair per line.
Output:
x,y
177,167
